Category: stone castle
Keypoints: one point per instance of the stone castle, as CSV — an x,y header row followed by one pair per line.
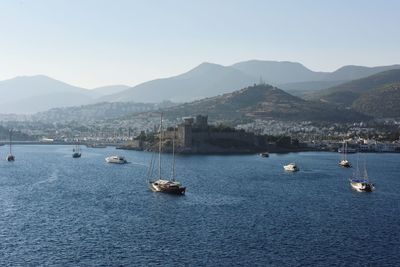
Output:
x,y
195,135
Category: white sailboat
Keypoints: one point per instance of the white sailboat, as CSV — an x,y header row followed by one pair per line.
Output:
x,y
170,186
344,161
361,183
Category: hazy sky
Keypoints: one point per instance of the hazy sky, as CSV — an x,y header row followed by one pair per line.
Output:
x,y
94,43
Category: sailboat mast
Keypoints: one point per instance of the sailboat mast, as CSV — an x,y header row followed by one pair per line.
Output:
x,y
357,169
345,151
160,147
10,141
365,171
173,157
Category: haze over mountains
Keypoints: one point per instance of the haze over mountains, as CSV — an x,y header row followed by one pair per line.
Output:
x,y
25,95
30,94
207,80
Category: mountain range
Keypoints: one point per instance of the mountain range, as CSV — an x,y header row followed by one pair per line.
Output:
x,y
31,94
208,80
377,95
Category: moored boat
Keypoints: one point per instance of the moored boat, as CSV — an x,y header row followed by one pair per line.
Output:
x,y
264,154
291,167
165,185
361,184
76,152
10,157
344,162
116,160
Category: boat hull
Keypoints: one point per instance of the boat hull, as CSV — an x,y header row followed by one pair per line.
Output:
x,y
344,164
291,168
115,161
174,190
76,155
362,186
10,157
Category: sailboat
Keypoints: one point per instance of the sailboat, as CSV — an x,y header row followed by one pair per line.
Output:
x,y
170,186
361,183
10,156
344,162
76,151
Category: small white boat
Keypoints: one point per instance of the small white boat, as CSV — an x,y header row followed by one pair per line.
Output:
x,y
116,159
344,161
264,154
291,167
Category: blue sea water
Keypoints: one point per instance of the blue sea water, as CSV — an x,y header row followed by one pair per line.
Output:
x,y
238,211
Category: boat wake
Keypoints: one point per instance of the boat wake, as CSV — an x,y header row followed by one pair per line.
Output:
x,y
52,178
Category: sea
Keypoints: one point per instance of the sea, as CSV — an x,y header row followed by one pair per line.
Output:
x,y
239,210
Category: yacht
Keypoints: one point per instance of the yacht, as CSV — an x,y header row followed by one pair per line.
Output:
x,y
167,186
170,186
361,183
264,154
291,167
116,159
10,157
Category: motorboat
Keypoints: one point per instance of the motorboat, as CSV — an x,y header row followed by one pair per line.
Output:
x,y
116,159
264,154
291,167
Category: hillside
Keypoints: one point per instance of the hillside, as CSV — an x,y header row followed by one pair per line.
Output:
x,y
109,89
265,102
95,112
348,73
382,102
345,94
208,80
31,94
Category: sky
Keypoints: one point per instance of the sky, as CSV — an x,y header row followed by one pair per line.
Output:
x,y
92,43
